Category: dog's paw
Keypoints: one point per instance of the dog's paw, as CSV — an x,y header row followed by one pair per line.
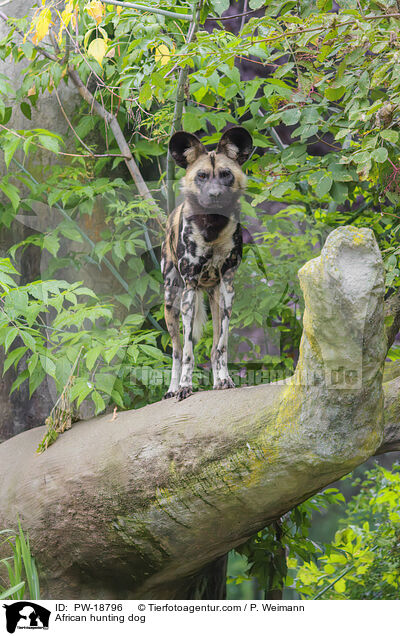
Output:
x,y
184,392
227,383
169,394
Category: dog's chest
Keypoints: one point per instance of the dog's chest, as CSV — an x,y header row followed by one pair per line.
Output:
x,y
205,261
212,256
215,257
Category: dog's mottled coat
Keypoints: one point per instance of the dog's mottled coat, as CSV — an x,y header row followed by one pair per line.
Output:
x,y
202,250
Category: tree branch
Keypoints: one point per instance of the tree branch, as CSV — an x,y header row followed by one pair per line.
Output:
x,y
112,121
178,110
391,438
136,509
392,312
150,9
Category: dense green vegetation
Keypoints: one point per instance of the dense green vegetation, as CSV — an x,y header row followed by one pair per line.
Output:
x,y
324,117
18,575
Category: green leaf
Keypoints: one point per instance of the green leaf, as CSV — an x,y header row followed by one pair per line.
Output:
x,y
50,143
334,93
256,4
26,110
70,231
85,291
84,392
9,149
291,116
220,6
36,379
281,189
340,586
51,243
380,155
109,354
14,357
390,135
12,590
339,192
28,340
324,5
7,116
10,337
153,352
92,356
323,186
48,365
145,93
105,382
116,396
6,280
98,402
20,379
12,193
32,362
191,122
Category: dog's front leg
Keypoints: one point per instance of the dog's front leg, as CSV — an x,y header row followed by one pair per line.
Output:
x,y
173,291
188,307
221,300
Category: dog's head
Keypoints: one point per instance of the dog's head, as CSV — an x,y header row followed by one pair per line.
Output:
x,y
214,180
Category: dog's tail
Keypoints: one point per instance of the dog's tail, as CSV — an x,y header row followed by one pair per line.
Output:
x,y
200,316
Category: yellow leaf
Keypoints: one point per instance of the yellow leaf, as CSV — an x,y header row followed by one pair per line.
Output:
x,y
95,9
66,17
162,55
119,9
340,586
42,25
97,49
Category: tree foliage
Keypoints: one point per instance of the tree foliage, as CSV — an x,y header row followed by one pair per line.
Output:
x,y
363,561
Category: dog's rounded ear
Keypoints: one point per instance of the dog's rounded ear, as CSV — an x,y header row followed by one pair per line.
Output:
x,y
185,148
236,143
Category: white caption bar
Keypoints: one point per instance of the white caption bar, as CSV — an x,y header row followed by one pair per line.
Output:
x,y
193,617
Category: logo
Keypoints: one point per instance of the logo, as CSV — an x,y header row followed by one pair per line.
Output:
x,y
26,615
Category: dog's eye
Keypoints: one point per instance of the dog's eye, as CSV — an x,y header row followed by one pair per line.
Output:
x,y
225,174
202,176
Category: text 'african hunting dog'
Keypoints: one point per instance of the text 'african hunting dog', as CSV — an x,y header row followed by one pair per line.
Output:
x,y
202,250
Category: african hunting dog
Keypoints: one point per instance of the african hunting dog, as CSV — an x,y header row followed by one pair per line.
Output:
x,y
202,250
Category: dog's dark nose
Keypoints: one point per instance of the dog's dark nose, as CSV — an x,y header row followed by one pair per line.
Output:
x,y
214,193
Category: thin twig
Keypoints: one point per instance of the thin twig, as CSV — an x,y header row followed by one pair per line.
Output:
x,y
178,110
286,34
60,152
141,7
68,121
233,17
111,120
243,15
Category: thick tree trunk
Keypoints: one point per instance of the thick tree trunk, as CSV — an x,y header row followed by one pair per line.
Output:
x,y
141,506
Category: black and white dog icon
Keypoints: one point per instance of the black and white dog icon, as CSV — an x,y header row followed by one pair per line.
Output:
x,y
26,615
